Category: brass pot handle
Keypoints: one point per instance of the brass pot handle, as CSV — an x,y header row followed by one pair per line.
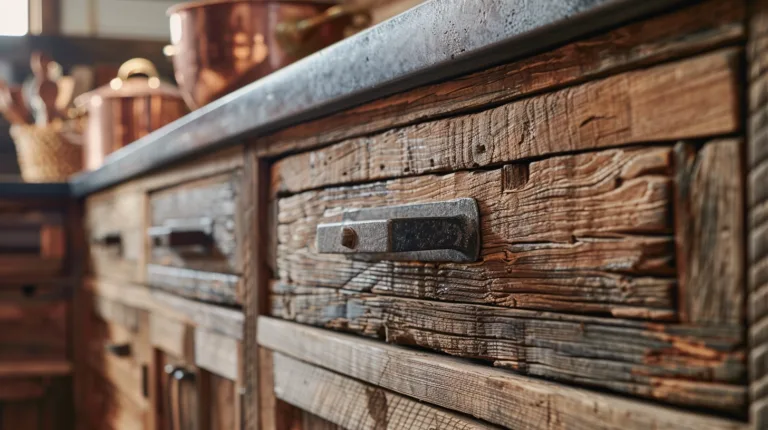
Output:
x,y
137,66
292,35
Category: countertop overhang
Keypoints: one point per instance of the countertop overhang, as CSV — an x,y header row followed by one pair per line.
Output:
x,y
435,41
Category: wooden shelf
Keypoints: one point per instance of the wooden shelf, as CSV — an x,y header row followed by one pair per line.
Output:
x,y
34,368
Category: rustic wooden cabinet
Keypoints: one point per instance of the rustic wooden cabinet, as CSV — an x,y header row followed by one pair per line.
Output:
x,y
570,238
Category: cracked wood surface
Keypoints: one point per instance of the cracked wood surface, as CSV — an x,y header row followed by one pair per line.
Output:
x,y
493,395
677,364
588,233
677,34
356,405
709,233
692,98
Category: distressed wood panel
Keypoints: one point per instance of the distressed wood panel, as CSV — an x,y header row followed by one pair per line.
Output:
x,y
116,213
356,405
172,336
709,233
757,210
274,413
225,321
493,395
690,30
19,388
587,233
222,403
691,98
204,273
676,364
217,354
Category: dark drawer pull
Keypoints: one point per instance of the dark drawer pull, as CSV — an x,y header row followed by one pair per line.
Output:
x,y
183,233
112,238
444,231
119,349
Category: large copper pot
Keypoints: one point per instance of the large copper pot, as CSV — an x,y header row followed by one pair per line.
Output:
x,y
133,105
221,45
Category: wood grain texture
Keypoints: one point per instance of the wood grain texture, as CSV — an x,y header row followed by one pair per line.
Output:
x,y
172,336
676,364
222,401
683,32
216,353
226,321
493,395
757,210
356,405
690,98
709,233
274,413
587,233
203,273
113,212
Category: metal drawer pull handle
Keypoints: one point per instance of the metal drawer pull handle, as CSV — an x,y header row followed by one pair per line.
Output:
x,y
119,349
181,233
112,238
444,231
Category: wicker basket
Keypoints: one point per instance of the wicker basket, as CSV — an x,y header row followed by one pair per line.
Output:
x,y
46,154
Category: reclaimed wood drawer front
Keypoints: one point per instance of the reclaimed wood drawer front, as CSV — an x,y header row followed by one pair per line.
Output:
x,y
35,321
579,276
114,225
32,243
193,239
119,350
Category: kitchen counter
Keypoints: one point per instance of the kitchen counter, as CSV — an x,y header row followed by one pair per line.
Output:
x,y
409,50
34,190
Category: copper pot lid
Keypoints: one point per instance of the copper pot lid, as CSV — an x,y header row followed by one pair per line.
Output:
x,y
136,77
201,3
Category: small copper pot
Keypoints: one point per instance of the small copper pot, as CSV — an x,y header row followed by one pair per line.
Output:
x,y
134,104
222,45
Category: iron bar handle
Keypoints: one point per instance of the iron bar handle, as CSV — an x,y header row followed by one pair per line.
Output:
x,y
183,233
443,231
112,238
119,349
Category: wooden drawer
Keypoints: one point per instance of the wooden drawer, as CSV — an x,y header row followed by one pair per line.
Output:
x,y
35,403
118,349
113,226
577,278
194,242
35,321
32,243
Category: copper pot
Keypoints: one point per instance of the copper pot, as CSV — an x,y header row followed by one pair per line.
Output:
x,y
221,45
134,104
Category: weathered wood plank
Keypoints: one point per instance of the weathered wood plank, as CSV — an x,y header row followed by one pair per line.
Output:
x,y
222,403
691,98
172,336
672,363
274,414
356,405
225,321
216,353
493,395
709,233
680,33
757,209
587,233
